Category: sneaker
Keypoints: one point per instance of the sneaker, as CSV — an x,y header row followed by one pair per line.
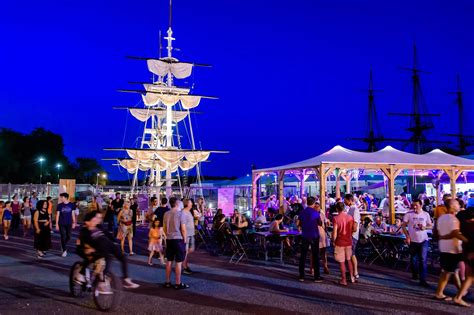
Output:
x,y
79,278
64,254
129,284
6,237
318,280
104,288
301,279
187,271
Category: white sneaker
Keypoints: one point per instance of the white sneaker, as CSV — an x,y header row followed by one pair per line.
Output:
x,y
104,288
64,254
79,278
129,284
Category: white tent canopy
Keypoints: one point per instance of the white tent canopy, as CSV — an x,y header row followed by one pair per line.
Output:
x,y
388,160
388,155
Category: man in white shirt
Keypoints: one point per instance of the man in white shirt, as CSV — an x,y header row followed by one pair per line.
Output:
x,y
417,222
450,238
354,212
385,206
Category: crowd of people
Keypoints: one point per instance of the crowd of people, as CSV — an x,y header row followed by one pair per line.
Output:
x,y
450,224
173,224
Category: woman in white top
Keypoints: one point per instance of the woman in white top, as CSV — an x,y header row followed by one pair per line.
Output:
x,y
450,238
261,219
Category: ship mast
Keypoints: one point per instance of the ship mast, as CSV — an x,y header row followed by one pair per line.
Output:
x,y
157,152
374,135
420,119
463,140
169,114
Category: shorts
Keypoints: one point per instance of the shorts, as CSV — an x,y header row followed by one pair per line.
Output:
x,y
155,246
127,230
354,245
175,250
190,244
342,253
449,262
27,217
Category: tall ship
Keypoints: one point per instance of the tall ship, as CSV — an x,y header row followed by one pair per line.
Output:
x,y
167,149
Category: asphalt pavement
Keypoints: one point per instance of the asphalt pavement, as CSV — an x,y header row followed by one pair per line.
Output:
x,y
29,285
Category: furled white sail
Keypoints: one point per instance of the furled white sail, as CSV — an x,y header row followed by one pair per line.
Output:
x,y
197,156
161,68
131,166
185,165
144,114
171,157
188,101
165,156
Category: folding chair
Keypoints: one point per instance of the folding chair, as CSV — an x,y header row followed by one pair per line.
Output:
x,y
238,251
375,242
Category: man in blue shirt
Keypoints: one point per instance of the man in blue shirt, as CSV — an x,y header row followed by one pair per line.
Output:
x,y
65,220
308,220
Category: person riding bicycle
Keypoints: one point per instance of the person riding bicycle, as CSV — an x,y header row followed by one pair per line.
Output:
x,y
94,245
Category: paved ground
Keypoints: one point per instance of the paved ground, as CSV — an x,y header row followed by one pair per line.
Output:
x,y
29,285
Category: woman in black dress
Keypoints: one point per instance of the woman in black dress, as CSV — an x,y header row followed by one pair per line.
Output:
x,y
42,228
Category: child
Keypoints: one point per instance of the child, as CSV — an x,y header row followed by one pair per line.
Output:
x,y
26,214
397,228
6,217
154,242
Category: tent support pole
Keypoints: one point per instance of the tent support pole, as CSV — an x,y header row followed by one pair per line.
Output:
x,y
255,192
302,179
337,173
391,173
281,175
322,186
348,178
438,189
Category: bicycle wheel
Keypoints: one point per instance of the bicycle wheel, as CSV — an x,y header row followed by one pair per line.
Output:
x,y
110,300
76,289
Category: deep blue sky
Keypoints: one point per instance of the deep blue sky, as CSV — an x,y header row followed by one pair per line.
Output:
x,y
290,75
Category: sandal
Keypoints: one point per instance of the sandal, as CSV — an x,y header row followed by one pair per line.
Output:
x,y
443,298
181,286
461,302
167,285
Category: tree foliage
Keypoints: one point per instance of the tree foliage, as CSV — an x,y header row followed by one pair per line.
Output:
x,y
20,153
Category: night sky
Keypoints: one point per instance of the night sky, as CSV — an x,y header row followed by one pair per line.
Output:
x,y
291,76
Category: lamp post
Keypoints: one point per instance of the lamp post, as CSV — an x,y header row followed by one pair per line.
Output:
x,y
41,160
103,175
58,167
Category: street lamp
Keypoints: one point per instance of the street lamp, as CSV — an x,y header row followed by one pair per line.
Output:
x,y
41,160
58,167
103,175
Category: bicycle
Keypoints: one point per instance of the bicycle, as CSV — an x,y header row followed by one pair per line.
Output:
x,y
104,301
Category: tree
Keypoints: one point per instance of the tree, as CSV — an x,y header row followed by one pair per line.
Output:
x,y
86,170
20,153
